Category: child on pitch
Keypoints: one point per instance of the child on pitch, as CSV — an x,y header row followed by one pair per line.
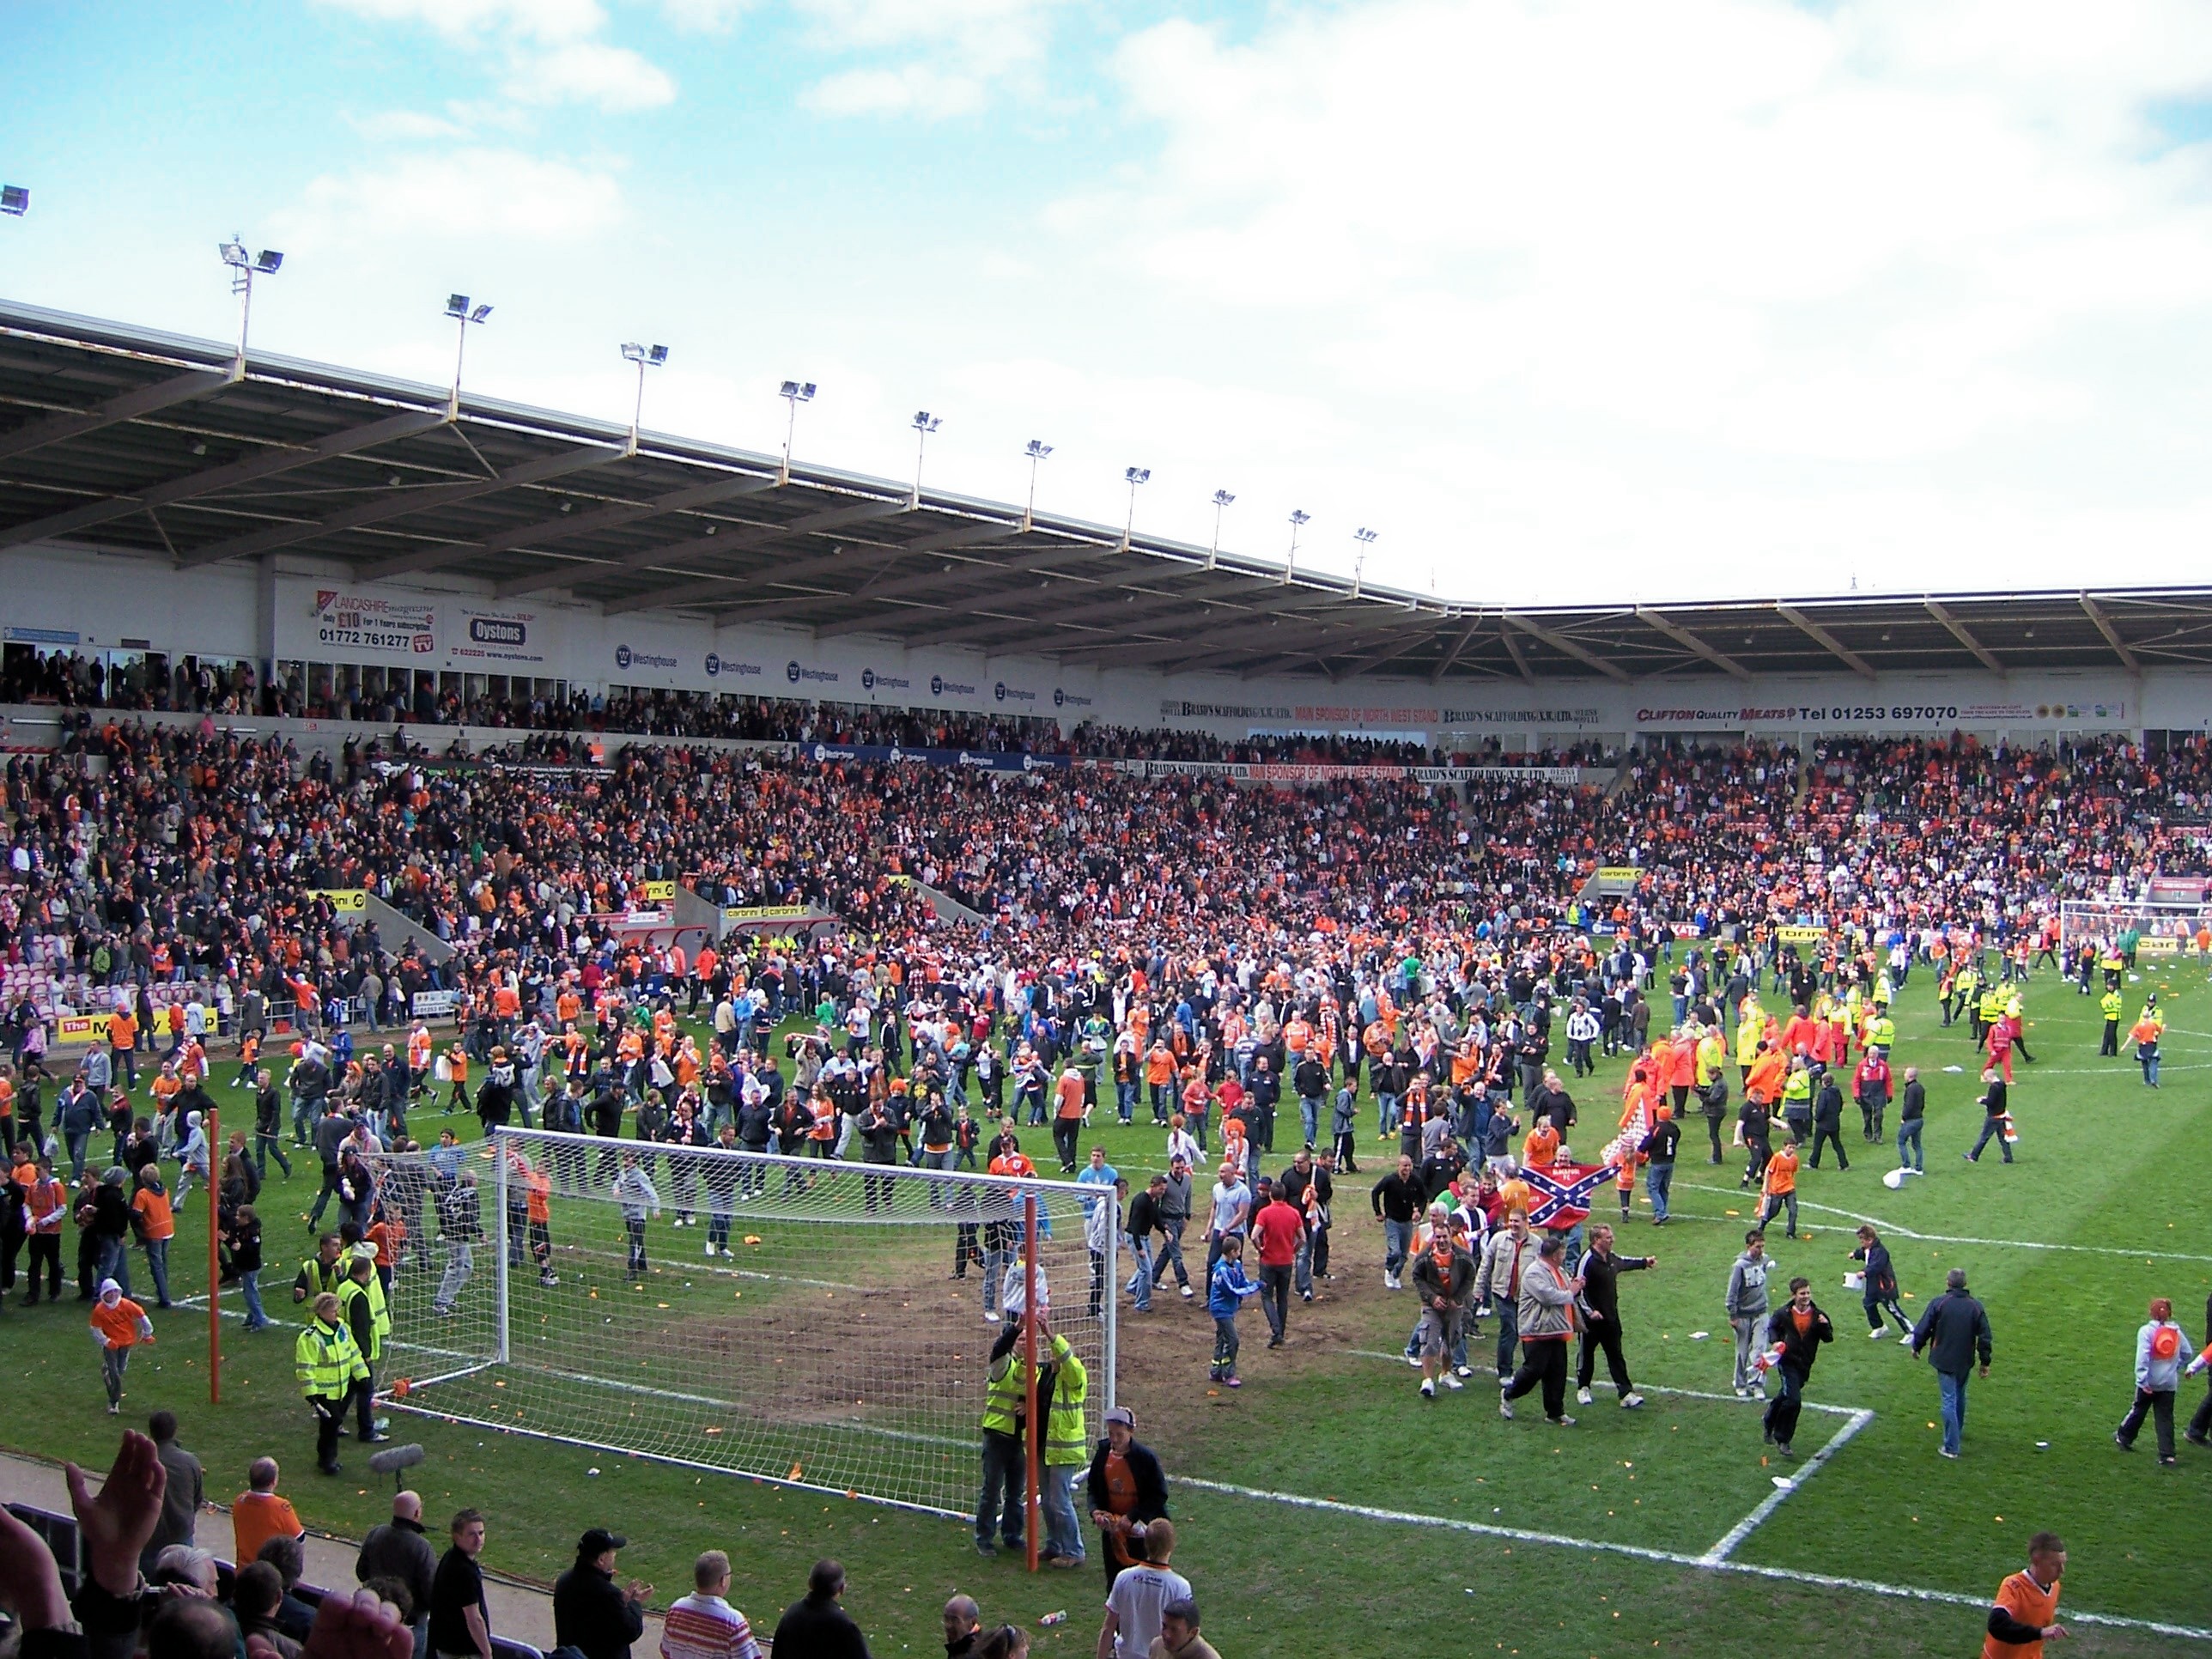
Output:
x,y
1225,1296
1878,1288
118,1324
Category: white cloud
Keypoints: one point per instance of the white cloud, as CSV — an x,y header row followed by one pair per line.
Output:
x,y
947,56
704,16
588,72
405,125
543,21
550,47
483,195
911,89
1665,292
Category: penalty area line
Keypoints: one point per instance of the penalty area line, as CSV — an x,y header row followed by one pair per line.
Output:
x,y
1902,1231
1671,1558
1783,1489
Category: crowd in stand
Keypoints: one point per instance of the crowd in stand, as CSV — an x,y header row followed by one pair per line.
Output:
x,y
170,868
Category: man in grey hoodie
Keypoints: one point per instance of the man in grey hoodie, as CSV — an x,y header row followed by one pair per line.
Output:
x,y
1747,1310
1173,1208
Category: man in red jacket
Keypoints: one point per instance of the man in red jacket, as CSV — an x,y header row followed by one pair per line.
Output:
x,y
1276,1229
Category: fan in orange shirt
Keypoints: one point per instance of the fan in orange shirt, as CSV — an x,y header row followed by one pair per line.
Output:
x,y
118,1324
1780,1186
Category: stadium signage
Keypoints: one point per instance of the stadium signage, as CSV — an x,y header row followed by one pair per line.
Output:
x,y
341,898
1520,716
370,622
659,892
797,672
431,1004
511,636
1295,772
745,913
627,657
1175,709
1850,716
1005,693
1063,698
1798,933
872,681
941,687
978,759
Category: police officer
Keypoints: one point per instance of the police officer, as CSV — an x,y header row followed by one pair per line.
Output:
x,y
2110,1004
329,1366
369,1318
322,1272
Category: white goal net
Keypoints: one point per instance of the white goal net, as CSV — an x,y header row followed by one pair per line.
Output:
x,y
2162,928
801,1320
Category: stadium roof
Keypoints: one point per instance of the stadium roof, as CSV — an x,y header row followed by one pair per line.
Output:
x,y
130,438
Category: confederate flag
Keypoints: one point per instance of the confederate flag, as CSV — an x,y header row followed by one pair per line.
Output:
x,y
1560,1197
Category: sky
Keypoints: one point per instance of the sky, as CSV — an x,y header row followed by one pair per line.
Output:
x,y
1567,302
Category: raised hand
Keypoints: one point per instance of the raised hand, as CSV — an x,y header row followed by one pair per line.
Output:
x,y
117,1524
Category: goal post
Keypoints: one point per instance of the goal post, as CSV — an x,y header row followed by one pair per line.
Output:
x,y
2163,928
800,1320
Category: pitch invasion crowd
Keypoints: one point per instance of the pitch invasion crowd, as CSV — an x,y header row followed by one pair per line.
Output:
x,y
1231,963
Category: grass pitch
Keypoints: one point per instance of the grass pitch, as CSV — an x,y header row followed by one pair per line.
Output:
x,y
1325,1507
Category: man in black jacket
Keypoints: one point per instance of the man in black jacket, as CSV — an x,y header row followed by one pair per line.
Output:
x,y
400,1549
1128,1490
1399,1199
879,1131
1911,1109
1142,1222
1955,1330
1311,1079
1309,1188
1660,1147
1600,1270
268,1128
815,1627
1828,1121
1798,1327
589,1614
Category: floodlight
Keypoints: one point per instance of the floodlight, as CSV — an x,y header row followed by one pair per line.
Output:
x,y
924,423
1037,450
457,307
1221,498
793,392
644,357
15,199
1135,475
244,268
